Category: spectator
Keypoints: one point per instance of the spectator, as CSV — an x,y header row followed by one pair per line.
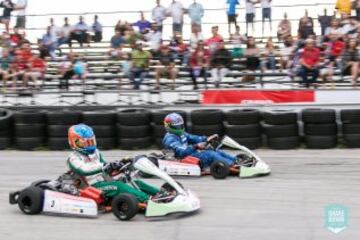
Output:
x,y
154,39
252,54
176,11
350,28
65,33
237,40
356,6
80,70
165,66
97,29
214,41
231,13
21,6
116,44
5,68
131,37
350,61
43,50
66,71
122,27
196,13
284,28
37,69
266,13
180,49
196,36
159,15
16,37
250,15
80,32
269,55
306,26
286,53
325,21
8,6
143,25
220,63
199,63
140,65
309,61
49,41
55,30
344,7
333,31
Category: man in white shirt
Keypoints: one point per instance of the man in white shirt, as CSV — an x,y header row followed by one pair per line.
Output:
x,y
266,13
21,6
159,15
250,14
176,11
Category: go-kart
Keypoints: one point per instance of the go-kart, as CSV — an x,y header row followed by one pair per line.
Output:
x,y
69,195
248,164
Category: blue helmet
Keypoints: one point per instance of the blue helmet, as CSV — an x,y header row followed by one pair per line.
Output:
x,y
174,123
82,139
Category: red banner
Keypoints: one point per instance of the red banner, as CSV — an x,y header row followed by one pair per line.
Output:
x,y
256,96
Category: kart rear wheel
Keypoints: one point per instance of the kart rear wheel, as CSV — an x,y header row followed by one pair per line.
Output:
x,y
219,170
125,206
31,200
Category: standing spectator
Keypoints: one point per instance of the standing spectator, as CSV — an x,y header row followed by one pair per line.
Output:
x,y
216,38
284,28
97,29
220,63
37,69
357,9
143,25
199,63
309,61
165,66
325,21
196,36
140,65
306,26
196,13
266,13
21,6
176,11
250,15
344,7
49,41
231,13
65,33
8,6
55,30
350,61
159,15
80,32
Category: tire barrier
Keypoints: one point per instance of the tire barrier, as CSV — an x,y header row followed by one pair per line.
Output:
x,y
281,129
244,127
320,128
139,128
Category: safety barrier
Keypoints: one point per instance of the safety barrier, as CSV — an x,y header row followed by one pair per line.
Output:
x,y
132,129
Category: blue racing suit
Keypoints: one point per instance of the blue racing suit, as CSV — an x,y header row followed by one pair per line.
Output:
x,y
185,145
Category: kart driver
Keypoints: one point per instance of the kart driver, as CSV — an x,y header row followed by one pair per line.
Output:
x,y
184,144
88,163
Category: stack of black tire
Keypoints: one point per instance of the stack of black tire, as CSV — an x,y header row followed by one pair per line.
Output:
x,y
350,119
58,123
207,122
30,129
6,128
134,129
158,128
243,125
281,129
104,125
320,128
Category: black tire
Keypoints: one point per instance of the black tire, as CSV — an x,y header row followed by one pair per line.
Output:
x,y
63,117
99,118
351,128
219,170
125,206
207,117
31,200
320,142
134,117
106,143
352,140
318,115
208,130
251,143
155,161
280,131
5,133
29,117
56,131
6,117
280,117
104,131
28,144
325,129
159,131
243,131
5,143
133,131
159,143
350,116
29,130
159,116
283,143
135,143
58,143
242,116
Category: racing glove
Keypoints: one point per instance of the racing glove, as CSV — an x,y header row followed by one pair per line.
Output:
x,y
108,168
200,146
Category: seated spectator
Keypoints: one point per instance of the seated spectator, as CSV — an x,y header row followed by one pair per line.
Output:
x,y
333,31
306,26
196,36
5,70
5,41
309,61
122,27
97,30
286,53
325,21
36,70
8,6
154,38
350,61
180,49
252,54
165,66
49,41
220,63
140,64
80,70
269,55
237,40
199,63
143,25
350,28
116,44
80,32
66,71
284,28
65,33
15,37
131,37
43,50
215,40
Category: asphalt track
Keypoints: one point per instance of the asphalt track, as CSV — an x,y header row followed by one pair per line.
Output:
x,y
289,204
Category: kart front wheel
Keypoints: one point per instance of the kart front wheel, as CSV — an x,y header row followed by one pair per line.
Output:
x,y
125,206
219,170
31,200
